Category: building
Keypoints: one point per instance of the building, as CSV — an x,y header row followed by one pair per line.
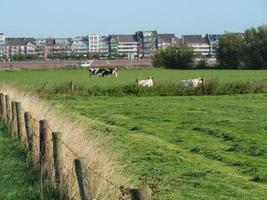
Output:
x,y
104,45
166,40
80,45
147,43
127,46
2,45
199,44
94,43
113,46
14,46
62,46
213,40
40,45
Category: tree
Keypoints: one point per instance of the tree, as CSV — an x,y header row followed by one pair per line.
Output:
x,y
179,57
229,51
255,47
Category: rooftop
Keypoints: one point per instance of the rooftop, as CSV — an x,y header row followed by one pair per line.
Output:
x,y
126,38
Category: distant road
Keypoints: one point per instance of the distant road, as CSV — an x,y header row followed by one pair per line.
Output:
x,y
63,63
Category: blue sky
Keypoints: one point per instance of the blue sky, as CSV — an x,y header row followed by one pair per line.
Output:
x,y
64,18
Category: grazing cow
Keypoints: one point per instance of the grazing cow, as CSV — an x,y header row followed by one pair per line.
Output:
x,y
145,83
93,71
193,82
101,72
109,72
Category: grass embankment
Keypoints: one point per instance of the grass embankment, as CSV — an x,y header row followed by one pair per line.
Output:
x,y
17,180
210,147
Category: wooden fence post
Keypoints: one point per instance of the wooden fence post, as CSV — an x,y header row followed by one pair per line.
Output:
x,y
71,85
43,131
57,155
81,179
144,193
8,112
3,107
14,119
29,130
19,121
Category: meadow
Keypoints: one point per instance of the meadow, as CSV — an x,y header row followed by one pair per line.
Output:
x,y
183,147
37,78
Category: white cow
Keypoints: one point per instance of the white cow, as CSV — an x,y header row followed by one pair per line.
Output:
x,y
145,83
193,82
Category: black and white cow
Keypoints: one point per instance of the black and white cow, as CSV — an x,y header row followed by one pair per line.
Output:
x,y
101,72
93,71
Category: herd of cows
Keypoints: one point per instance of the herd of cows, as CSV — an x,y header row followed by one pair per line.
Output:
x,y
102,72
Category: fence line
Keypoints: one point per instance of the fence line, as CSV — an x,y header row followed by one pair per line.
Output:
x,y
9,114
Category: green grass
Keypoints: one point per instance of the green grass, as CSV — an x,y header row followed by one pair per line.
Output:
x,y
38,78
185,147
191,147
17,181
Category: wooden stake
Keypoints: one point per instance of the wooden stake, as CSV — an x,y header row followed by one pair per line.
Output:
x,y
14,119
43,131
81,179
19,121
8,112
3,107
29,130
57,155
143,193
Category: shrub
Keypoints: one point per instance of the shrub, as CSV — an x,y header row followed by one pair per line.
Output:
x,y
179,57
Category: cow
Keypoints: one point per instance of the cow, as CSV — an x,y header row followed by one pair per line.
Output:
x,y
145,83
108,72
193,82
101,72
93,71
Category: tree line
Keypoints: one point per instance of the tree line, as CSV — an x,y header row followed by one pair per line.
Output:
x,y
246,50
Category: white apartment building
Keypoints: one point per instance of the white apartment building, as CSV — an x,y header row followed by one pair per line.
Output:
x,y
199,44
80,45
127,45
2,45
94,43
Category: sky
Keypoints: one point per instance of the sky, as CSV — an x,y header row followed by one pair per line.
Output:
x,y
68,18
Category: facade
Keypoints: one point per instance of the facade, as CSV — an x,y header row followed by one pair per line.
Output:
x,y
199,44
127,46
104,45
40,45
15,46
213,40
2,45
147,43
94,43
113,46
62,46
166,40
80,45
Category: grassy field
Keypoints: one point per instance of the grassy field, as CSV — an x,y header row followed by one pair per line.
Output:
x,y
16,182
206,147
37,78
185,147
19,179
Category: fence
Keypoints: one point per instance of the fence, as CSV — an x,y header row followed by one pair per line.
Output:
x,y
44,147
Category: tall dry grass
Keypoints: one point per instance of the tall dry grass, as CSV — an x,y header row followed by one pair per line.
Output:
x,y
75,135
